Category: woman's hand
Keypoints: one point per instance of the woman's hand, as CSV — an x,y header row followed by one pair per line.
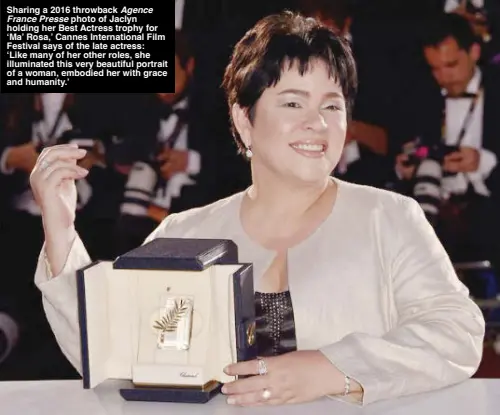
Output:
x,y
291,378
53,181
53,184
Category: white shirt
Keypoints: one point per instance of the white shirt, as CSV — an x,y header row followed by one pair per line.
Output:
x,y
456,111
451,5
175,184
179,13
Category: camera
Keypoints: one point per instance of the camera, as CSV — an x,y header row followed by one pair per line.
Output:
x,y
429,173
139,189
437,152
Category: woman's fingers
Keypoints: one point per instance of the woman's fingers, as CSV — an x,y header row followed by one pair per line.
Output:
x,y
60,152
63,169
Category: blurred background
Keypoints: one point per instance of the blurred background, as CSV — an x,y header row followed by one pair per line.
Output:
x,y
425,93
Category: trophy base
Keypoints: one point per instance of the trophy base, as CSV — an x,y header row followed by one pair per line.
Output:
x,y
179,394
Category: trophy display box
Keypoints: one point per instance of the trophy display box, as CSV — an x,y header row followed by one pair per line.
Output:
x,y
167,316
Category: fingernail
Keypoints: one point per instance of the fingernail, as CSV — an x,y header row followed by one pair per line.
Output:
x,y
231,401
226,370
224,389
83,172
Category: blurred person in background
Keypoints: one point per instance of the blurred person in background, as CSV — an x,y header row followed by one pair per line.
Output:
x,y
30,123
453,167
177,171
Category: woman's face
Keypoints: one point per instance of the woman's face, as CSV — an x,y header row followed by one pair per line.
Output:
x,y
299,127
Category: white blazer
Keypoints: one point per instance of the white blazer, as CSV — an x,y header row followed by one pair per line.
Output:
x,y
372,288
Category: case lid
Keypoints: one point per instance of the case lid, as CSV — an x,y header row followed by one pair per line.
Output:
x,y
179,254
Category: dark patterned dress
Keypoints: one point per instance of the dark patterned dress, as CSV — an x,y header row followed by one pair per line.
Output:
x,y
275,326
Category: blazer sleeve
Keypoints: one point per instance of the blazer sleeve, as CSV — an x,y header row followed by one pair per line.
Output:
x,y
438,338
60,299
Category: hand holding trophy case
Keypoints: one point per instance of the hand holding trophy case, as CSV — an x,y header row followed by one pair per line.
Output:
x,y
168,316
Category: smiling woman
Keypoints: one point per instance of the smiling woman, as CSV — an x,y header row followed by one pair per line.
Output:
x,y
301,90
355,296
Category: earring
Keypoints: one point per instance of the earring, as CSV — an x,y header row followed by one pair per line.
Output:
x,y
249,152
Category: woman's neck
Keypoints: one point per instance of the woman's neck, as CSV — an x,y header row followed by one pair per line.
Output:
x,y
278,199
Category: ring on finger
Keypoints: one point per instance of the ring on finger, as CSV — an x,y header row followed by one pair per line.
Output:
x,y
266,394
44,164
262,366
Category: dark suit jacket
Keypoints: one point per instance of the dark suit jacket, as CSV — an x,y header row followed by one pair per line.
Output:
x,y
491,132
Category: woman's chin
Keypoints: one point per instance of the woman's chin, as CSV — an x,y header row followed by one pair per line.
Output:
x,y
311,177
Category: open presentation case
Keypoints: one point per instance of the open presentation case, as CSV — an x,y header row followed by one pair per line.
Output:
x,y
168,316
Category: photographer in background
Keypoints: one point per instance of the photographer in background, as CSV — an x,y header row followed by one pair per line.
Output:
x,y
31,122
453,169
175,174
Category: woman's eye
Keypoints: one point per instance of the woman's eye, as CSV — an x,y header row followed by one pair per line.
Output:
x,y
333,107
292,105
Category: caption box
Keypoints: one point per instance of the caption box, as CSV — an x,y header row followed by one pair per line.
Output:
x,y
88,48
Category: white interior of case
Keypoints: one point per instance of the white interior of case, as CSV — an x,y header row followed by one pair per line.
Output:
x,y
121,307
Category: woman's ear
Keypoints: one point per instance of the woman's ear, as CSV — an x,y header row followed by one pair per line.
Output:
x,y
241,123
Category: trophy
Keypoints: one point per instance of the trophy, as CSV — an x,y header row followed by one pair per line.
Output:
x,y
167,316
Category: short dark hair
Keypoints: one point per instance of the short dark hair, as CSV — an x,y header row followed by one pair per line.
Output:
x,y
183,47
260,56
449,25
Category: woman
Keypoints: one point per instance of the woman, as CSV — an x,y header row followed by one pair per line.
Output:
x,y
378,311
